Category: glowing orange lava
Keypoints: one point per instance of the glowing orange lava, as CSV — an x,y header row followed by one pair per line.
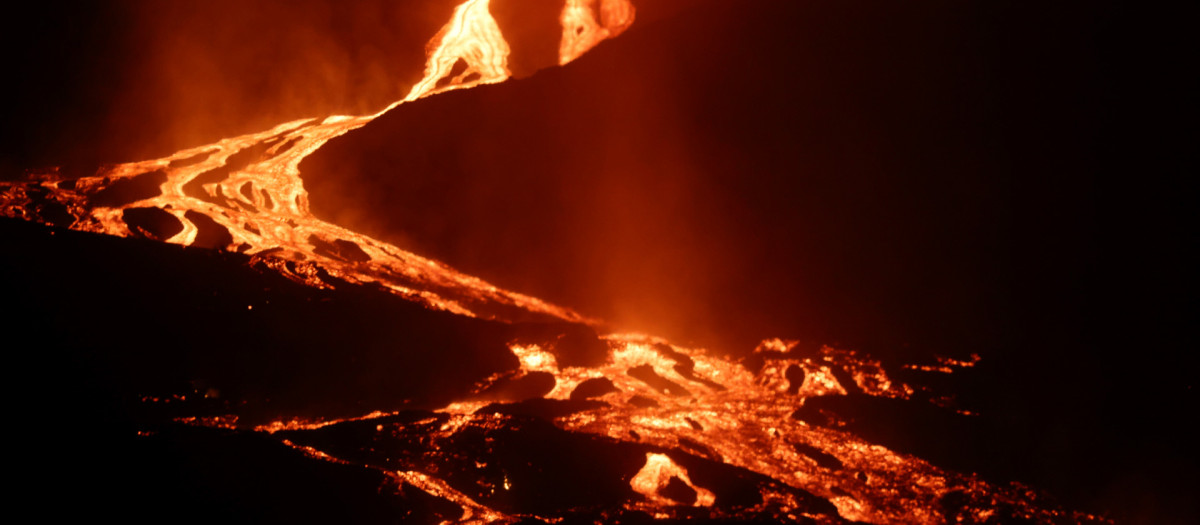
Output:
x,y
584,27
250,187
648,391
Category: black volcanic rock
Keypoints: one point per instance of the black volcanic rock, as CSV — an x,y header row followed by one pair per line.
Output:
x,y
795,376
210,234
532,385
960,442
544,409
339,249
679,491
822,459
594,387
126,191
151,222
572,344
646,374
520,464
166,320
200,475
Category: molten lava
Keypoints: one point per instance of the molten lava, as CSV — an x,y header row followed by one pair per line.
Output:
x,y
245,193
583,29
472,37
683,425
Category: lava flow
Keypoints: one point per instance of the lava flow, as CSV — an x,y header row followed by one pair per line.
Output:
x,y
245,193
606,429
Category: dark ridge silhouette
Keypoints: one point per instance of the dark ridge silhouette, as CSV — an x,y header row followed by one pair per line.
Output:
x,y
133,189
151,222
730,174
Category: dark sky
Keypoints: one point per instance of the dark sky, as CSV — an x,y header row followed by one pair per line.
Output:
x,y
940,177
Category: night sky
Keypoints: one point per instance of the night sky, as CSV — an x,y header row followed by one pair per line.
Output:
x,y
943,177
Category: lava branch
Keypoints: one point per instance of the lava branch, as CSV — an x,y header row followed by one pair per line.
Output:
x,y
473,37
583,27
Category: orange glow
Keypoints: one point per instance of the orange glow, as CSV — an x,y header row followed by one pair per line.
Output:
x,y
669,397
473,512
534,359
250,187
229,422
774,345
946,365
301,424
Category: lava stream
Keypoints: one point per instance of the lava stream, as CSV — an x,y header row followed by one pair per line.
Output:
x,y
679,413
245,193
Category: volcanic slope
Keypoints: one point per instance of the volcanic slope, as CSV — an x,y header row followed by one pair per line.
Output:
x,y
902,179
792,167
219,388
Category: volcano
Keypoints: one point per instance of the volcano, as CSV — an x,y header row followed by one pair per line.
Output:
x,y
864,237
